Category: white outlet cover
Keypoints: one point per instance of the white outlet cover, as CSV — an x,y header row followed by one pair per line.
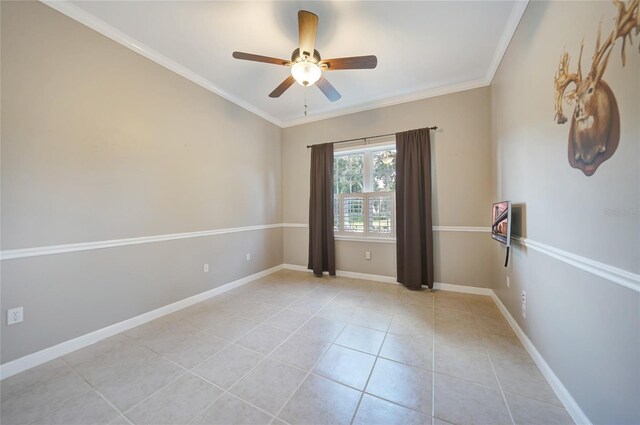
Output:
x,y
367,255
206,268
508,282
248,256
15,315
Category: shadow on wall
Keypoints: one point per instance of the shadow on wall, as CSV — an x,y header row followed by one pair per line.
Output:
x,y
519,220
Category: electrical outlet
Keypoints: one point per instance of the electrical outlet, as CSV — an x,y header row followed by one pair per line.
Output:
x,y
367,255
15,315
206,268
248,256
508,282
524,303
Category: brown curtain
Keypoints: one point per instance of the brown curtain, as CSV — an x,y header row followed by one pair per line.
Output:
x,y
322,251
414,239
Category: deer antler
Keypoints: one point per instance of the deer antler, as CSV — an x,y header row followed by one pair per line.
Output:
x,y
562,80
627,18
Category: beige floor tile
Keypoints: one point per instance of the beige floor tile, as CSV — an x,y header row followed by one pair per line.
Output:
x,y
322,328
281,299
485,309
263,339
308,304
259,313
362,339
121,420
451,303
38,392
232,328
409,324
346,366
505,347
289,320
524,378
526,411
460,337
194,349
269,385
320,401
493,325
178,403
207,318
127,386
402,384
412,350
343,313
88,408
226,367
472,364
465,403
375,411
374,319
301,350
230,410
162,334
446,319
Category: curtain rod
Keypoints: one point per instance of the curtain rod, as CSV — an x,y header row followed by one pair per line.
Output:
x,y
371,137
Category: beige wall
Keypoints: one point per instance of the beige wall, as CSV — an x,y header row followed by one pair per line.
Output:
x,y
99,143
461,173
585,326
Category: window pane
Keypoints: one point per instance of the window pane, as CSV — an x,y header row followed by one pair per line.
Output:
x,y
348,173
353,214
380,214
384,171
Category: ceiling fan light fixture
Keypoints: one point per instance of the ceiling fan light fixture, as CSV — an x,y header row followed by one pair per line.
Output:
x,y
306,73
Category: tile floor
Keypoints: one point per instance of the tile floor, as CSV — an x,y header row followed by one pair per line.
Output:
x,y
291,348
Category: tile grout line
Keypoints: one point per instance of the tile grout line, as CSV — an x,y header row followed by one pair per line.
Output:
x,y
504,397
362,393
186,371
96,390
228,391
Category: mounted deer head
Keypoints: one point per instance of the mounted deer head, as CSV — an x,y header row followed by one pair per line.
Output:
x,y
595,124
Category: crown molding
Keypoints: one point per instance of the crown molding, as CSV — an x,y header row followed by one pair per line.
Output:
x,y
80,15
503,44
391,101
74,12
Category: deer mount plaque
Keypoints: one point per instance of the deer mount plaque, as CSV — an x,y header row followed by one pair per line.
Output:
x,y
595,123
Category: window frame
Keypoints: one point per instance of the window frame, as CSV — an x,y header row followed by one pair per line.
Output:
x,y
366,194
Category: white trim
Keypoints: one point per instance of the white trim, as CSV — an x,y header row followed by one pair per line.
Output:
x,y
300,225
510,29
364,239
393,279
614,274
31,360
89,20
461,229
11,254
556,384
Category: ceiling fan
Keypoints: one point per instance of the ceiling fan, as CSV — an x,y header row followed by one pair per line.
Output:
x,y
306,63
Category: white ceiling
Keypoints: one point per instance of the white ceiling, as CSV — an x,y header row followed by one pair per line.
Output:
x,y
424,48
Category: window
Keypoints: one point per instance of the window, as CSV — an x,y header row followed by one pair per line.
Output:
x,y
364,182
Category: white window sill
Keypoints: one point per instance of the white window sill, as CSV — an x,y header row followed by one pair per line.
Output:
x,y
365,239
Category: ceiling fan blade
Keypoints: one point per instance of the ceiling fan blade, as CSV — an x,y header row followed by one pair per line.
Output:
x,y
355,62
307,30
328,90
258,58
282,87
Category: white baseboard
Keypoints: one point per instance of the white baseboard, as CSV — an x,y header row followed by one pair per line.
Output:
x,y
31,360
558,387
392,279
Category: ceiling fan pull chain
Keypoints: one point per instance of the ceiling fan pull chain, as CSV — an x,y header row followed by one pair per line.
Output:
x,y
305,101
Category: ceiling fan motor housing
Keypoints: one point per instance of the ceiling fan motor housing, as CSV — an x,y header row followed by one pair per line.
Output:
x,y
296,57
